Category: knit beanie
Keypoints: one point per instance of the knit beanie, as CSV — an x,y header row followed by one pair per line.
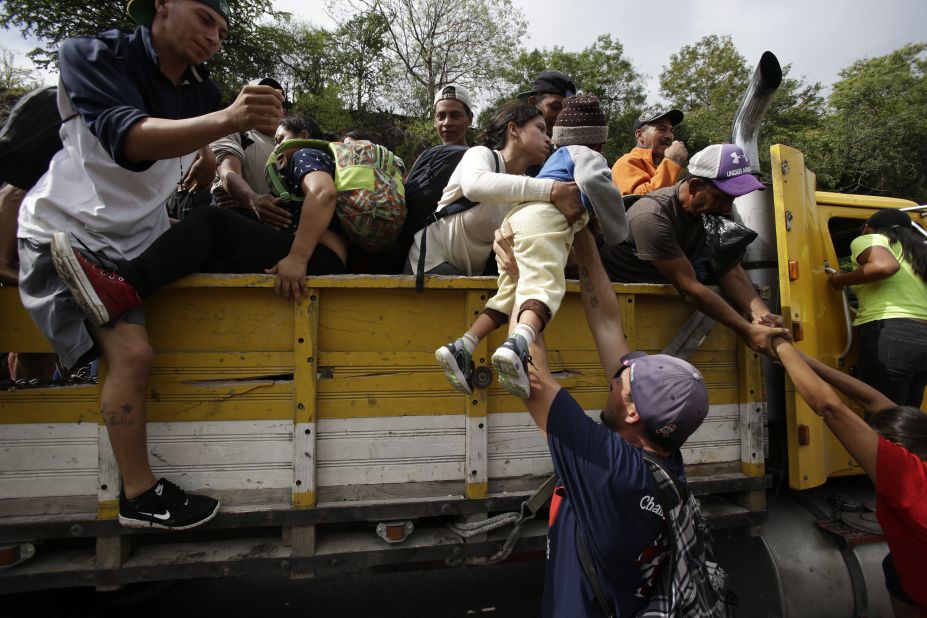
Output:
x,y
582,122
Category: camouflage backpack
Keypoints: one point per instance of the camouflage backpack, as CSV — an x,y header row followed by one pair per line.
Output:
x,y
371,202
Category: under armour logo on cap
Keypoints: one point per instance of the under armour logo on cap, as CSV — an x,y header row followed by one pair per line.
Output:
x,y
727,167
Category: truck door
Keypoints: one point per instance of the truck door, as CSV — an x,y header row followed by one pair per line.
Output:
x,y
813,311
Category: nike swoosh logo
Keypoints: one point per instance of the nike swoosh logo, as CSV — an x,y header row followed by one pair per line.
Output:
x,y
161,516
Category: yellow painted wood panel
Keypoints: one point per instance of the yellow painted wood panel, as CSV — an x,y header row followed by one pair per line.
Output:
x,y
219,320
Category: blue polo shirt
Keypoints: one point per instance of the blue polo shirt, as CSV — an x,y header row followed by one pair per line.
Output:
x,y
608,491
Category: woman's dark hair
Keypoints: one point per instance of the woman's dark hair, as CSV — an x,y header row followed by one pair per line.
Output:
x,y
518,112
299,124
903,425
358,134
897,227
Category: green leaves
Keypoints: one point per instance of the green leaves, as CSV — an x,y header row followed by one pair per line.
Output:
x,y
248,52
600,69
379,69
872,139
707,81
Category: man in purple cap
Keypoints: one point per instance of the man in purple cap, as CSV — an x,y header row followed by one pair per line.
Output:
x,y
139,107
667,237
608,493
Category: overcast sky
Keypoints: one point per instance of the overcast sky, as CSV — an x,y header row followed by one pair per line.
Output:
x,y
817,38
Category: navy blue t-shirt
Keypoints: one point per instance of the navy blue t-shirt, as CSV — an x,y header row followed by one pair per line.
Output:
x,y
303,162
609,493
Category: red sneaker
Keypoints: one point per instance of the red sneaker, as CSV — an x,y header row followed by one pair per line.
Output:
x,y
103,294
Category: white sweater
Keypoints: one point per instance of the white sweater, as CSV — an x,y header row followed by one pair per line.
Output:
x,y
465,240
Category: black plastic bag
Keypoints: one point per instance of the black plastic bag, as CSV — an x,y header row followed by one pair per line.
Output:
x,y
726,242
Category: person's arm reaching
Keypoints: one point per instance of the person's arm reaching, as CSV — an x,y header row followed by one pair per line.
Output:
x,y
680,273
870,399
736,286
595,181
875,264
154,139
600,304
317,212
860,440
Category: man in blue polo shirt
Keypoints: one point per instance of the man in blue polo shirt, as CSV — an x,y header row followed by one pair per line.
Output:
x,y
138,109
655,403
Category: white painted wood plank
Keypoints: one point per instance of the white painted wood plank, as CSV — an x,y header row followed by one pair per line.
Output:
x,y
390,450
58,459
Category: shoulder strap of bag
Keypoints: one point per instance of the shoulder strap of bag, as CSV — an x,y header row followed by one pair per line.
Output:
x,y
451,209
273,171
582,549
589,569
669,498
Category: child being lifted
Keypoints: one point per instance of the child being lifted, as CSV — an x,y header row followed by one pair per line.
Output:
x,y
542,242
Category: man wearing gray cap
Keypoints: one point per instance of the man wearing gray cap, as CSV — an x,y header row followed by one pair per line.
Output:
x,y
657,161
608,496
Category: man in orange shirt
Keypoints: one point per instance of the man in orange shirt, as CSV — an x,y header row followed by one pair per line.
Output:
x,y
657,161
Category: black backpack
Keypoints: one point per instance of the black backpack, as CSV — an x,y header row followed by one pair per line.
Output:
x,y
433,217
29,139
425,184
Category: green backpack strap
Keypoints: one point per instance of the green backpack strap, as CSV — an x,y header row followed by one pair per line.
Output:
x,y
272,170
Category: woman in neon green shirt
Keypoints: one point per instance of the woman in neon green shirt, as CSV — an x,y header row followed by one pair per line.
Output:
x,y
891,283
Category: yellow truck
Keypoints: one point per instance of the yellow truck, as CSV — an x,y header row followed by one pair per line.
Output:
x,y
334,442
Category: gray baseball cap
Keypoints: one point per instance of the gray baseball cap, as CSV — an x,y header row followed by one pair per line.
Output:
x,y
655,113
669,394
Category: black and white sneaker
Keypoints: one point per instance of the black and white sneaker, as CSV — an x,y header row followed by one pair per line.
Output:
x,y
510,361
458,366
166,506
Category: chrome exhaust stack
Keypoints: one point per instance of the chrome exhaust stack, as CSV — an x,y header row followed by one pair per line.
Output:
x,y
756,211
746,130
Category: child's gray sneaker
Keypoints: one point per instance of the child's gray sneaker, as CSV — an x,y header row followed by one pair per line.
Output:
x,y
458,366
510,361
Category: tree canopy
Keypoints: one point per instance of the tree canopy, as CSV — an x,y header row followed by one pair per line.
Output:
x,y
247,52
434,42
871,141
707,81
601,69
380,66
